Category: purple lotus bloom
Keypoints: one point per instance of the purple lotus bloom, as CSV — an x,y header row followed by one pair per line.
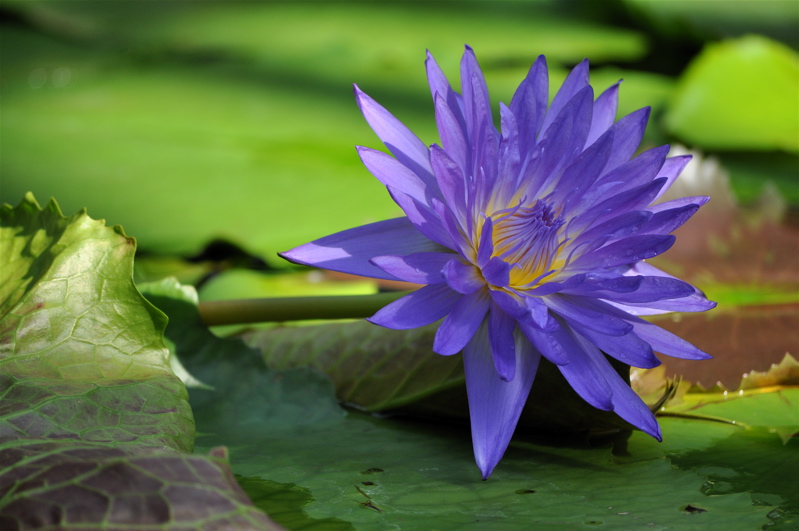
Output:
x,y
530,241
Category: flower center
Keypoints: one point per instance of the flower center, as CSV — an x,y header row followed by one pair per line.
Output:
x,y
527,238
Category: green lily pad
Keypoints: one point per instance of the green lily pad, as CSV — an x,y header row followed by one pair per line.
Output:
x,y
377,369
383,473
275,142
242,399
64,485
243,284
228,367
81,351
284,502
94,425
774,410
752,461
739,94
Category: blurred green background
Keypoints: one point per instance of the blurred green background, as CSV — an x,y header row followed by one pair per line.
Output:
x,y
191,121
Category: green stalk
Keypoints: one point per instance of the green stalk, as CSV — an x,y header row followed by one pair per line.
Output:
x,y
245,311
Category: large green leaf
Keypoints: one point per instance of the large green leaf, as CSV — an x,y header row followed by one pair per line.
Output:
x,y
385,473
229,368
774,410
64,485
285,503
239,154
94,424
82,356
243,400
739,94
377,369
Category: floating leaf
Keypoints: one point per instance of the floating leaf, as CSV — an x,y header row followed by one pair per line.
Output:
x,y
739,94
378,370
750,461
286,503
245,400
275,400
243,284
92,419
73,486
81,351
782,374
382,473
777,410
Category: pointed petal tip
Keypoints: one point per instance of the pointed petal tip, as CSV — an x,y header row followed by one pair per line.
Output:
x,y
429,60
648,424
294,255
657,435
359,95
486,465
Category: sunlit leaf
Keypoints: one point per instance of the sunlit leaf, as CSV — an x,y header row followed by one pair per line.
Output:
x,y
776,409
243,284
739,94
81,351
94,425
276,142
786,372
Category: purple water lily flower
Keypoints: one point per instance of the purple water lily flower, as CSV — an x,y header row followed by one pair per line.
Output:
x,y
530,242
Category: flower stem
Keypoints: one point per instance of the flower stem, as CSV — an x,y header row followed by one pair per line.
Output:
x,y
244,311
